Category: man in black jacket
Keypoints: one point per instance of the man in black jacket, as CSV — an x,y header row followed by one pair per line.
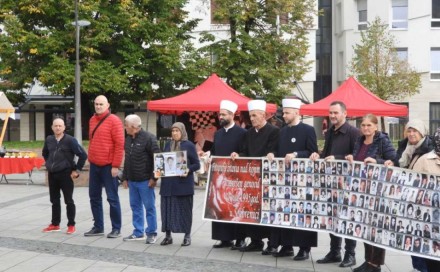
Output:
x,y
339,142
59,152
139,178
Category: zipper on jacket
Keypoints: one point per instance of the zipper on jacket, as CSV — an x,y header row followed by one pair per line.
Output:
x,y
54,154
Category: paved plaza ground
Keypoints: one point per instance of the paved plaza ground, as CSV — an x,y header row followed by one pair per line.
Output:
x,y
25,210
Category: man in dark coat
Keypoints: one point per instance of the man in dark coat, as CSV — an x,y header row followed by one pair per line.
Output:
x,y
138,177
297,140
59,152
259,141
227,140
339,142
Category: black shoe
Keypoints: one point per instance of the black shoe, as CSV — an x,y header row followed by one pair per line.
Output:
x,y
223,244
361,268
94,232
349,260
186,242
301,256
331,257
285,251
269,250
239,244
114,234
166,241
371,268
253,246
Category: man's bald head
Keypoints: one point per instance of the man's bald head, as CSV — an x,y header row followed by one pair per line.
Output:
x,y
101,104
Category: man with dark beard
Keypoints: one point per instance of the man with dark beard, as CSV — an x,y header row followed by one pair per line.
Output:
x,y
297,140
227,140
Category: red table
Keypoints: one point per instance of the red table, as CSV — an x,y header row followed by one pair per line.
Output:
x,y
19,166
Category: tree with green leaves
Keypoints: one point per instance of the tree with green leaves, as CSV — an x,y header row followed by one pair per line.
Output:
x,y
133,49
267,45
378,67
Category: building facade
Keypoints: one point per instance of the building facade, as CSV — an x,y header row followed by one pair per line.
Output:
x,y
415,24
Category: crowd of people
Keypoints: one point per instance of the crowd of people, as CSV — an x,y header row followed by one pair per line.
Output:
x,y
418,151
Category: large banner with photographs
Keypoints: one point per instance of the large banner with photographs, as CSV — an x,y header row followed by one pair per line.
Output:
x,y
389,207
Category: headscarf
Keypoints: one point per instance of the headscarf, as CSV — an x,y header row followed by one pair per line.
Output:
x,y
437,141
175,145
407,154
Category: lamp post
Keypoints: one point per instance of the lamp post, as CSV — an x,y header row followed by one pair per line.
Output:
x,y
77,128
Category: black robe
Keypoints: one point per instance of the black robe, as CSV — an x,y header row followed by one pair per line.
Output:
x,y
258,144
301,139
226,142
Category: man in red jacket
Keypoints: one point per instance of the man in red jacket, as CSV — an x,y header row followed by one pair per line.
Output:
x,y
106,149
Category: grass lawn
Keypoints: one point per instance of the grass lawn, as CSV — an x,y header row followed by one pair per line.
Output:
x,y
31,145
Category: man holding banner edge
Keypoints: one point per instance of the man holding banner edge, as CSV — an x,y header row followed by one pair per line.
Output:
x,y
227,140
339,142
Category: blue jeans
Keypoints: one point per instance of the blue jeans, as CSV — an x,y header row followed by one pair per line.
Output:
x,y
101,176
142,196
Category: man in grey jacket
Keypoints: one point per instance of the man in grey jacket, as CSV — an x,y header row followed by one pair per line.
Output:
x,y
139,178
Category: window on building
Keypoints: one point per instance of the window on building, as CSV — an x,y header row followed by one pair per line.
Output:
x,y
338,18
402,54
435,63
435,21
400,14
362,13
434,117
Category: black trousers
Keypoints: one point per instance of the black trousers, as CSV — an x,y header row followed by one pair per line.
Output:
x,y
374,255
61,181
433,265
293,237
257,233
335,245
223,231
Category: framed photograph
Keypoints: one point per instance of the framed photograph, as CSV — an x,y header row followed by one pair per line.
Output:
x,y
168,164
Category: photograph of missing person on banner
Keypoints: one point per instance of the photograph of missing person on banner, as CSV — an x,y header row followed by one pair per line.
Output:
x,y
389,207
169,164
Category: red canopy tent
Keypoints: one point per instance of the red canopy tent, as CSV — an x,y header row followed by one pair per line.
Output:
x,y
359,102
205,97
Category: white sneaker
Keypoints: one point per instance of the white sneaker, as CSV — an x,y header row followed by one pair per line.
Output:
x,y
151,239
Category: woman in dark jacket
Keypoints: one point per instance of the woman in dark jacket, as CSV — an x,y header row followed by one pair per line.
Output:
x,y
177,192
415,145
372,147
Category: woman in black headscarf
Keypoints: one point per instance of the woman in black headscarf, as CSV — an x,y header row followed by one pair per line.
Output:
x,y
177,192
